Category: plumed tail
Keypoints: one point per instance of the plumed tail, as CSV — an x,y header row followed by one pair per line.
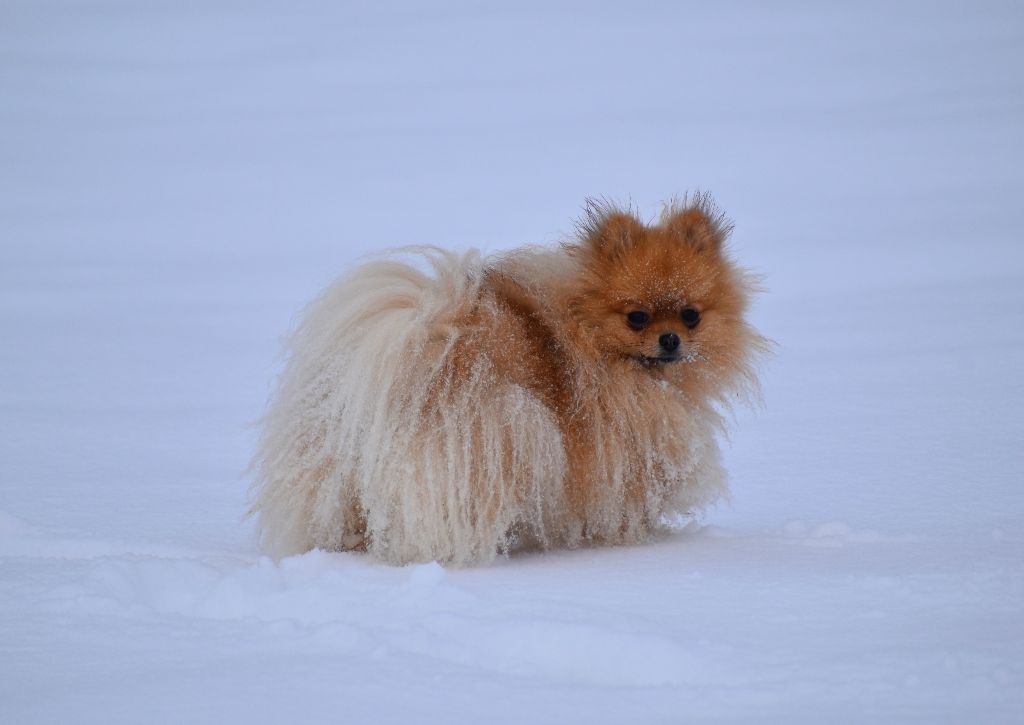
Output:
x,y
370,443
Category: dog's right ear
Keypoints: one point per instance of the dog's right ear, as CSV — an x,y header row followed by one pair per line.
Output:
x,y
606,232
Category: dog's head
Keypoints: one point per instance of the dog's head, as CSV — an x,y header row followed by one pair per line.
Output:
x,y
665,296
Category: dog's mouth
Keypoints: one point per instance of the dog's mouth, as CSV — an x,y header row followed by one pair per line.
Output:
x,y
655,361
651,361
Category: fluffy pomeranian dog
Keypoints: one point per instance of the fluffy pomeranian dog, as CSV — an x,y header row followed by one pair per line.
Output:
x,y
466,407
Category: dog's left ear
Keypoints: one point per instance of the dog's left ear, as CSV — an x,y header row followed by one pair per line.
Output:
x,y
699,225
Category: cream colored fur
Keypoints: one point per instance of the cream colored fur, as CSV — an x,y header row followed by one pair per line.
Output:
x,y
373,441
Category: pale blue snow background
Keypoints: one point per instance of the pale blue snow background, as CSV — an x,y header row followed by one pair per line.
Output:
x,y
178,178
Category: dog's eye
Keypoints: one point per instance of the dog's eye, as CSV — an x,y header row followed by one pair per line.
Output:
x,y
691,318
638,319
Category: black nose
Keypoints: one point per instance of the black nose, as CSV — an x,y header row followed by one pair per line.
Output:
x,y
669,341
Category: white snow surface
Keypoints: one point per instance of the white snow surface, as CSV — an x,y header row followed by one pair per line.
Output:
x,y
178,179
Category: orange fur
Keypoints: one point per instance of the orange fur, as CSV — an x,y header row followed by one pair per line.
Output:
x,y
616,434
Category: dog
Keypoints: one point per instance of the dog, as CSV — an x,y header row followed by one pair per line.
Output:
x,y
462,408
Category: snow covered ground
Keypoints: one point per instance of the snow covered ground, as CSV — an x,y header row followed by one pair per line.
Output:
x,y
177,179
